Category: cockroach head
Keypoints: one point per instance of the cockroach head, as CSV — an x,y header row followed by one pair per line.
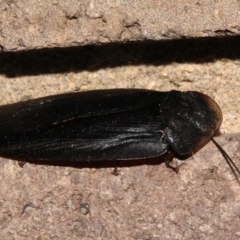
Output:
x,y
190,119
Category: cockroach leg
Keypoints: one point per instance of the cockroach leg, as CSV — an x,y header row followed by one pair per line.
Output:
x,y
21,163
174,164
115,171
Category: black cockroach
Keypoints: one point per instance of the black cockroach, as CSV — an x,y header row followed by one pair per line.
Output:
x,y
115,124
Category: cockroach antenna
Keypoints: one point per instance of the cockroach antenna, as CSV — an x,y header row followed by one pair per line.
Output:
x,y
229,161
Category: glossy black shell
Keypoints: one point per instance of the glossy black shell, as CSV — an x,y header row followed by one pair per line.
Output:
x,y
116,124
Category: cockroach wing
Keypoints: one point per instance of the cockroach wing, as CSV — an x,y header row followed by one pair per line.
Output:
x,y
190,119
41,112
128,135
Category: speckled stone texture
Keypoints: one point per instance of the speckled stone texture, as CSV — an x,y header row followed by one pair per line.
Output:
x,y
59,23
147,200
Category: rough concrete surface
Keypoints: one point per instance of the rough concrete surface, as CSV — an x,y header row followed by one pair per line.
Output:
x,y
28,25
147,200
